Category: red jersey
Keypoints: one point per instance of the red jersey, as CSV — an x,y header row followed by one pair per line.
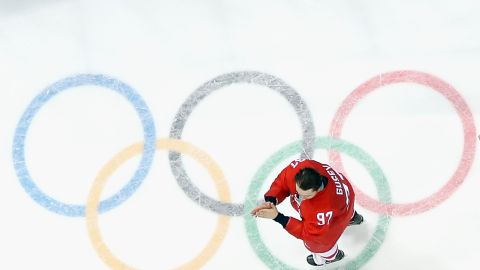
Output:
x,y
323,217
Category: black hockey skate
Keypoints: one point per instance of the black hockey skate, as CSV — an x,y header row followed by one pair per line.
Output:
x,y
357,219
311,261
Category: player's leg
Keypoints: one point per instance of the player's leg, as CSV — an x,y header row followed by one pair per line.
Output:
x,y
322,258
356,219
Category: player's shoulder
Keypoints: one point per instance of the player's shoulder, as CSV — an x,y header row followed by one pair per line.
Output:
x,y
298,164
302,162
317,165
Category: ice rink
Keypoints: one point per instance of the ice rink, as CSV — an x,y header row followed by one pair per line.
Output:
x,y
137,134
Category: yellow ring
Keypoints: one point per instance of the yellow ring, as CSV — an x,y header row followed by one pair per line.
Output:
x,y
91,211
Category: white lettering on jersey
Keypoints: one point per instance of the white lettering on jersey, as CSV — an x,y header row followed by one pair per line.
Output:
x,y
322,218
340,187
296,162
333,174
347,195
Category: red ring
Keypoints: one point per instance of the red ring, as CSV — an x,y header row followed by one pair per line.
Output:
x,y
469,146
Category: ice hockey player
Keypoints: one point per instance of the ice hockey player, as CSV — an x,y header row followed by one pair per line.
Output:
x,y
325,201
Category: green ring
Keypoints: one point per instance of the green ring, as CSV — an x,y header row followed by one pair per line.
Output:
x,y
327,143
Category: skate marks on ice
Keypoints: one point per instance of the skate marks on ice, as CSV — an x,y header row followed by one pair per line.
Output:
x,y
305,148
461,108
165,144
251,77
46,95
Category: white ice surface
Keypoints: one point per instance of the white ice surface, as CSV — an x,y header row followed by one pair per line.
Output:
x,y
165,50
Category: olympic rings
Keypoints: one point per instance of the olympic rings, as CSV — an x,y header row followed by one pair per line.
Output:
x,y
94,196
308,130
373,168
223,206
469,130
56,88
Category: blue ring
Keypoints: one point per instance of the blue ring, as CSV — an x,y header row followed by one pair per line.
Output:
x,y
21,131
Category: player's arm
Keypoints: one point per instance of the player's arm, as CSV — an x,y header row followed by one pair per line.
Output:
x,y
292,225
300,229
269,210
304,229
276,194
278,190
